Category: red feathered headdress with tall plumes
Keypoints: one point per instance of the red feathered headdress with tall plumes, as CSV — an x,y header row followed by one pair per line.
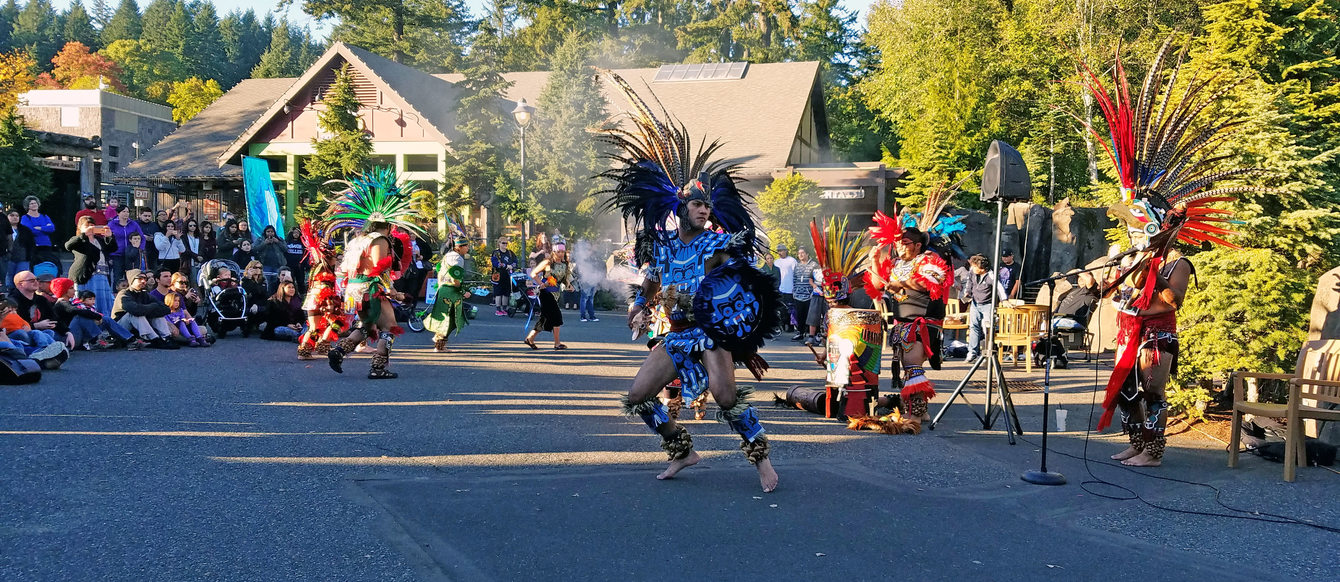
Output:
x,y
885,233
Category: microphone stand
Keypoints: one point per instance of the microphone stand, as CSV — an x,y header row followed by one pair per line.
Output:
x,y
1043,476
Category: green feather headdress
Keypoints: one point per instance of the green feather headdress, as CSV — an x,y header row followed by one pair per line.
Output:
x,y
375,196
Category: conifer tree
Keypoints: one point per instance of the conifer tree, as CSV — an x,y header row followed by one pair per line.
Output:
x,y
124,24
279,59
345,150
565,156
78,27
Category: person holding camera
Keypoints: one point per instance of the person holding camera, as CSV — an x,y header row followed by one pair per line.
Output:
x,y
272,252
170,247
91,269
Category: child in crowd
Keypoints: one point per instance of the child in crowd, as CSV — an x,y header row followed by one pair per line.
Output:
x,y
135,257
182,319
82,318
39,345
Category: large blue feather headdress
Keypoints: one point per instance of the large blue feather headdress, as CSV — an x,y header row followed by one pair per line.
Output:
x,y
656,173
375,196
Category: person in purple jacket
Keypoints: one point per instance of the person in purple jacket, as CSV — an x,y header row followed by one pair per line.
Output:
x,y
42,228
122,227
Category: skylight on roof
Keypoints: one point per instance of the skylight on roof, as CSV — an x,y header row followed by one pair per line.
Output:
x,y
701,72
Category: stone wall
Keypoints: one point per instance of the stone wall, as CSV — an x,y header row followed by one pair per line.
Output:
x,y
1044,240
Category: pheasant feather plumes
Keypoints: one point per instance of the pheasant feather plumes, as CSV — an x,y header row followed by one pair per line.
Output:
x,y
1164,148
375,196
837,250
654,162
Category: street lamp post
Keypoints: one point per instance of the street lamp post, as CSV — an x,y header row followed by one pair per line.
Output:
x,y
523,114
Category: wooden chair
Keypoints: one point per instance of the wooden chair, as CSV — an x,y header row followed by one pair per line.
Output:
x,y
1017,328
956,317
1316,379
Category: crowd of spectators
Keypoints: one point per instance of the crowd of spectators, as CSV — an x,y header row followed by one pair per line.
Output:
x,y
134,281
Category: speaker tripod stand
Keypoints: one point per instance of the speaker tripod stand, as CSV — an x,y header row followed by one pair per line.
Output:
x,y
998,402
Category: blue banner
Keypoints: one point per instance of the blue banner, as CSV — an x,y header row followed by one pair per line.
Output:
x,y
262,203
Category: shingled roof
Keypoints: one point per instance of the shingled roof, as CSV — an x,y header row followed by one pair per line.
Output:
x,y
756,117
191,152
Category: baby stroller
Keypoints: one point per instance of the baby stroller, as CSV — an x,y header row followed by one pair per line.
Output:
x,y
225,301
523,298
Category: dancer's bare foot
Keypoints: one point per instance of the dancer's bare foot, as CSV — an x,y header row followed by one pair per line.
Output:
x,y
678,465
1142,460
1126,454
767,476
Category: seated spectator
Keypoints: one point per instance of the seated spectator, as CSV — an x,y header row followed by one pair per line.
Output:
x,y
284,315
181,317
11,349
242,254
83,320
162,283
135,309
40,345
1076,305
253,282
34,306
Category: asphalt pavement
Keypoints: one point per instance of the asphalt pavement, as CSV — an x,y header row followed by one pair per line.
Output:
x,y
496,462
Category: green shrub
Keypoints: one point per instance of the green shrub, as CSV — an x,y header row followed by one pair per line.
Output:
x,y
1186,401
1250,312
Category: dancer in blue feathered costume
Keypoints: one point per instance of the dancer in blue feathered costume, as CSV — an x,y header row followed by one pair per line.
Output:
x,y
696,238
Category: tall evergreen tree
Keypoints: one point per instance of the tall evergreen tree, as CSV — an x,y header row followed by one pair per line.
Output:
x,y
124,24
8,14
475,169
102,14
201,48
280,57
20,176
157,29
565,156
429,34
346,148
36,31
78,26
758,31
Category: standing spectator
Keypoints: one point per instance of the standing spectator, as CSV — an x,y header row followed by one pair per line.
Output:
x,y
504,262
977,293
296,256
209,242
179,213
122,227
170,247
244,231
411,281
135,309
228,242
272,252
136,257
586,304
43,228
91,210
149,228
284,314
190,238
162,221
91,268
242,254
786,270
18,245
1009,275
802,291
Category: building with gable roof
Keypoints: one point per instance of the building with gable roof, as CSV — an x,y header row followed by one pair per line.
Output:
x,y
770,118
